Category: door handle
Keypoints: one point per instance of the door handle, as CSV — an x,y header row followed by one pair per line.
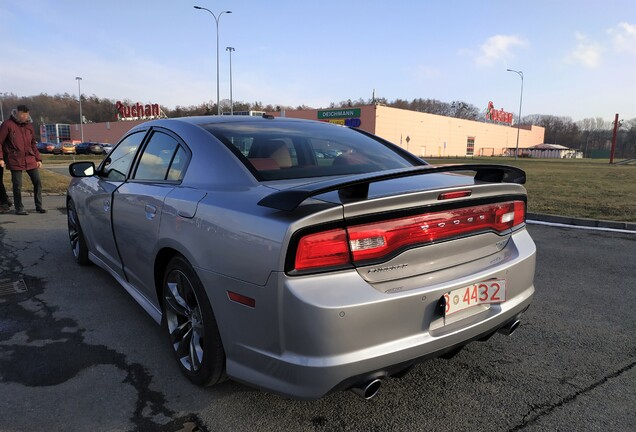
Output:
x,y
151,211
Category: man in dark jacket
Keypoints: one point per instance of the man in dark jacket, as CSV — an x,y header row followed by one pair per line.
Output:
x,y
19,152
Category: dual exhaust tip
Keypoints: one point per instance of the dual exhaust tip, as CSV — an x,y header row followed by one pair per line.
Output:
x,y
509,328
370,388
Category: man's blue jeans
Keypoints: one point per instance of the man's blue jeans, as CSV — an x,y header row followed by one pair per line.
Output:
x,y
16,179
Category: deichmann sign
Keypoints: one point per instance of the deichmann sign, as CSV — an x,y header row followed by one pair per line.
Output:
x,y
498,115
339,113
137,111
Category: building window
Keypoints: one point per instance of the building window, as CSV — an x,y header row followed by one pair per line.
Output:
x,y
470,146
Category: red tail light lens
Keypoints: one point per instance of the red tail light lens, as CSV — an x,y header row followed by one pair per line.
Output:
x,y
324,249
378,240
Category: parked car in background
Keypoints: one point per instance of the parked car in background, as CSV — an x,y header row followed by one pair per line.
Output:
x,y
65,147
68,148
83,148
300,274
96,148
90,148
45,147
107,147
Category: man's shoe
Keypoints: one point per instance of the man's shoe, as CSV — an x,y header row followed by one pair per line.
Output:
x,y
40,210
21,212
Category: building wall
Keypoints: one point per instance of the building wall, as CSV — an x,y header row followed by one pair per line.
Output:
x,y
108,132
422,134
367,115
437,136
434,135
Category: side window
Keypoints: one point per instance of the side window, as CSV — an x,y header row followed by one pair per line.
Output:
x,y
156,158
117,164
178,164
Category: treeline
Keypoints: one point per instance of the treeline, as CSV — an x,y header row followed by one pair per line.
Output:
x,y
588,135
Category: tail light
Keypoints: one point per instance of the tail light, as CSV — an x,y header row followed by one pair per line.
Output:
x,y
377,241
324,249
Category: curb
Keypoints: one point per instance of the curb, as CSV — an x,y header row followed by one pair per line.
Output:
x,y
581,222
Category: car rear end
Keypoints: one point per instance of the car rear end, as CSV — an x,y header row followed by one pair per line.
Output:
x,y
365,269
396,279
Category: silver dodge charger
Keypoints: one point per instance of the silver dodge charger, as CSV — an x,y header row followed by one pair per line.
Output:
x,y
303,257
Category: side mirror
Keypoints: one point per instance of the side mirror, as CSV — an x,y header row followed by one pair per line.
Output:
x,y
81,169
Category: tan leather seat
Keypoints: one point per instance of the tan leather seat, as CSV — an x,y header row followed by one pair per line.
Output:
x,y
277,150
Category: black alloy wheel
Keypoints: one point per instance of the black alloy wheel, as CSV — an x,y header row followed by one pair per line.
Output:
x,y
191,326
76,236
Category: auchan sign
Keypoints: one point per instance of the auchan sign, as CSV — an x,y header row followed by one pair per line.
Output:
x,y
498,115
137,111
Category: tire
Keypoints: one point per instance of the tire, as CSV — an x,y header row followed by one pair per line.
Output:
x,y
76,236
189,321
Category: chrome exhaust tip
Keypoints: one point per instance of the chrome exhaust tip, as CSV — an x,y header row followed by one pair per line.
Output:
x,y
509,328
369,389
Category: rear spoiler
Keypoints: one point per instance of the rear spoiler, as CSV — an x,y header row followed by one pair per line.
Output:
x,y
357,187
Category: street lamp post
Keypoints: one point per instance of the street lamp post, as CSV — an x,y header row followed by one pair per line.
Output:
x,y
230,49
79,95
520,73
216,19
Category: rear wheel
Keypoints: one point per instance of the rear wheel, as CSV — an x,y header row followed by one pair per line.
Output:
x,y
191,326
76,236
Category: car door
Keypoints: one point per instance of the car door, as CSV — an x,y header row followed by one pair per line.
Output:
x,y
138,204
110,176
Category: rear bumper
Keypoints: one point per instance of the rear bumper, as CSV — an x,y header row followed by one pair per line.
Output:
x,y
322,333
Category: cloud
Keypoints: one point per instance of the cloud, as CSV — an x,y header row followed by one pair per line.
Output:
x,y
498,47
624,37
587,54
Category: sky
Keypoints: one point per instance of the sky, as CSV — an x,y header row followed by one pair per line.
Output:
x,y
578,57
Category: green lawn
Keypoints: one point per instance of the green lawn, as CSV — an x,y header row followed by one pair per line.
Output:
x,y
569,187
577,188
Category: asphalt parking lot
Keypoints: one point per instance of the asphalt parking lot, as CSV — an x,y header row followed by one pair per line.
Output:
x,y
77,353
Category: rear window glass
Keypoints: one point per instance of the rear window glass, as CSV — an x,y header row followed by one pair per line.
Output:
x,y
276,150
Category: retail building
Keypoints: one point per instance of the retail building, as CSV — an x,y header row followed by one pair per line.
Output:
x,y
426,135
430,135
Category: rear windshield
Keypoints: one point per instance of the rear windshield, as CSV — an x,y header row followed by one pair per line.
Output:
x,y
278,150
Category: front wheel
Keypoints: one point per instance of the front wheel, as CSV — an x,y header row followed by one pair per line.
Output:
x,y
76,236
191,326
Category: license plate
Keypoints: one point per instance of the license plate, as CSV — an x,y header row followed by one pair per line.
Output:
x,y
490,291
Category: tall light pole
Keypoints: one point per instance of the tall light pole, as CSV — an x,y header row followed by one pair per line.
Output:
x,y
79,91
520,73
216,19
230,49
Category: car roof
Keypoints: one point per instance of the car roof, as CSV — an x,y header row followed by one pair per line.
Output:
x,y
211,119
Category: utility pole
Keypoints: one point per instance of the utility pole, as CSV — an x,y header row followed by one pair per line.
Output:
x,y
520,73
614,139
230,49
79,98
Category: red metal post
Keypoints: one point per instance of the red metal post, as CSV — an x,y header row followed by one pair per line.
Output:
x,y
614,139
